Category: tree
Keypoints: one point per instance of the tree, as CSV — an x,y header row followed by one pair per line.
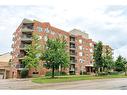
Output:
x,y
121,64
55,55
33,53
108,63
98,57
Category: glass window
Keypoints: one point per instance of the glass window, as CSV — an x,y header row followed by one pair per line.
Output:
x,y
39,29
91,50
80,47
80,54
46,30
81,60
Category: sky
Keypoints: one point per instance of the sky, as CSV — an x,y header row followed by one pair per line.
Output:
x,y
102,20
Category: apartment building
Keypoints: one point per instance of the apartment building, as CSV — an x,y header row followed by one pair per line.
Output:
x,y
84,52
80,47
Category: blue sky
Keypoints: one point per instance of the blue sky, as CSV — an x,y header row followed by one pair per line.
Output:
x,y
102,22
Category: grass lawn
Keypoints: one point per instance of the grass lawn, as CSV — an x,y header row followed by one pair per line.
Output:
x,y
74,78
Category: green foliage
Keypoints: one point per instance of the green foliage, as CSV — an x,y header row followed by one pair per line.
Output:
x,y
108,62
120,64
55,55
24,73
98,56
56,73
33,53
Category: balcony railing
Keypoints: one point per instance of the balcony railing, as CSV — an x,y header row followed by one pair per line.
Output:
x,y
20,66
21,56
72,39
72,47
73,53
23,46
26,38
73,61
72,69
12,45
27,29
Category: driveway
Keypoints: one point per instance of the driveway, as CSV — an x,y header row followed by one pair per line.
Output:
x,y
101,84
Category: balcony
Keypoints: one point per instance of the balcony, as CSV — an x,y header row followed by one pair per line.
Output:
x,y
26,38
13,39
23,46
72,69
21,56
20,66
73,53
12,46
72,47
73,61
27,28
72,40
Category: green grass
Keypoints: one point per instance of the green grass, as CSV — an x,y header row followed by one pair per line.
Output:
x,y
73,78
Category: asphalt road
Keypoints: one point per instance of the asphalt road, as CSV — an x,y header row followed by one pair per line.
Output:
x,y
101,84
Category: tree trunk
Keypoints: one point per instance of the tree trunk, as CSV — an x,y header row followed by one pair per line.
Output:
x,y
125,72
53,70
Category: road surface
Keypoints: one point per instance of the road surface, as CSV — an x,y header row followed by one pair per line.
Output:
x,y
101,84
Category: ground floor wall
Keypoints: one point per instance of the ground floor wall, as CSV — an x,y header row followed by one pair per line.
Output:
x,y
16,73
4,74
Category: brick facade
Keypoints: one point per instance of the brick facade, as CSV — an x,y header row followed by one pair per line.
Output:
x,y
79,46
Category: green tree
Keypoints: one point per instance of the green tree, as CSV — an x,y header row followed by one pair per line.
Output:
x,y
55,55
121,64
108,62
98,57
33,53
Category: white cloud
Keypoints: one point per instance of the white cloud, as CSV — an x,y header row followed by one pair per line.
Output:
x,y
95,18
121,51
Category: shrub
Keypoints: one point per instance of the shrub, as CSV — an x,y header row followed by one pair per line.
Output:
x,y
24,73
103,73
56,74
115,73
84,73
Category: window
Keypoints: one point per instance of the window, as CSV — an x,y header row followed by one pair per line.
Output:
x,y
91,45
91,50
80,54
91,57
81,60
47,30
80,47
80,41
39,29
52,32
35,72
